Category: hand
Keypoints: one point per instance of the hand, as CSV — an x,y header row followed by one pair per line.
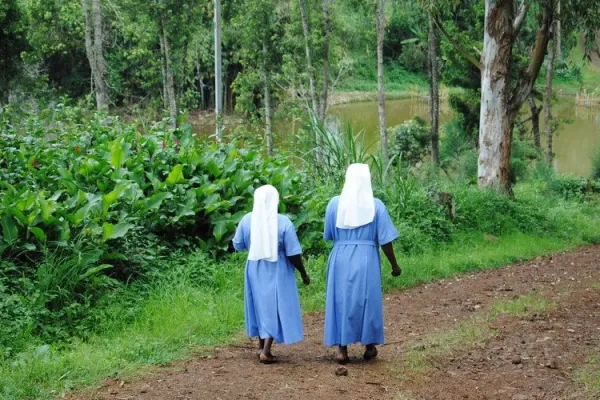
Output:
x,y
396,271
306,279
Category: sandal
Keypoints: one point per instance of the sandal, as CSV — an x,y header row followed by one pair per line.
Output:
x,y
370,354
270,358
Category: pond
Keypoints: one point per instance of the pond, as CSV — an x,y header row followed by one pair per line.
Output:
x,y
573,142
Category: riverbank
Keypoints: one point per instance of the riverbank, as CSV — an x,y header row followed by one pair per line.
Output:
x,y
196,303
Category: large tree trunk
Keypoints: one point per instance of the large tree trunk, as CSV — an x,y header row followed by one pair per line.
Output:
x,y
218,72
548,102
495,126
558,33
380,23
326,40
267,91
434,93
89,42
168,79
499,104
535,122
307,49
94,40
163,68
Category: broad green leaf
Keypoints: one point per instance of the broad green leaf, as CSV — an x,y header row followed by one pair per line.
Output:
x,y
176,175
10,231
93,271
38,233
219,230
115,231
154,202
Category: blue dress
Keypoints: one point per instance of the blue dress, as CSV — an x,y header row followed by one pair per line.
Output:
x,y
272,306
354,308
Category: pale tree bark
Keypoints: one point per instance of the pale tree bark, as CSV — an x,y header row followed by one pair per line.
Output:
x,y
218,72
169,79
535,122
307,49
499,104
326,42
380,22
548,101
267,99
434,92
163,66
558,34
100,82
94,44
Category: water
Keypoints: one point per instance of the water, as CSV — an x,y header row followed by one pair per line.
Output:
x,y
573,143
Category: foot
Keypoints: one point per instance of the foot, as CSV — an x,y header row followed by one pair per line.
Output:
x,y
267,358
370,352
342,356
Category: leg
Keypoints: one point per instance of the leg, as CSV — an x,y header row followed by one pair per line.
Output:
x,y
265,356
370,352
261,344
342,356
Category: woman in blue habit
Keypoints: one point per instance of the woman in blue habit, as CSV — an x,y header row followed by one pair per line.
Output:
x,y
358,224
271,299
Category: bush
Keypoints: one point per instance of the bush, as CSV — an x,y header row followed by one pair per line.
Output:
x,y
410,141
596,164
413,58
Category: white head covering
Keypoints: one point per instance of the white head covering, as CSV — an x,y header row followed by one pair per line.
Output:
x,y
263,225
356,206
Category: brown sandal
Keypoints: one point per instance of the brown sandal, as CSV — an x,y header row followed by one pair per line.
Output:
x,y
370,354
270,358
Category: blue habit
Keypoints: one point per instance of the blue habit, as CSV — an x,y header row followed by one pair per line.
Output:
x,y
354,308
271,300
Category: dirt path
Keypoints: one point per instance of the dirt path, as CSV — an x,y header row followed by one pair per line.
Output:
x,y
526,356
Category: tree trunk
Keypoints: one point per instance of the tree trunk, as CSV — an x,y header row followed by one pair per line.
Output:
x,y
548,103
307,49
218,72
94,38
434,94
326,40
163,67
89,43
558,34
380,23
169,79
267,93
535,122
496,118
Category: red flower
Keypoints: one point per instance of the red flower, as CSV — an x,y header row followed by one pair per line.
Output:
x,y
77,149
164,144
35,163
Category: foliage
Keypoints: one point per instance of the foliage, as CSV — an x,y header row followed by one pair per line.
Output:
x,y
410,140
413,58
596,164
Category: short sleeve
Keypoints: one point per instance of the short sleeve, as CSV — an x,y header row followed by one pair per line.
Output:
x,y
329,223
386,232
291,243
239,244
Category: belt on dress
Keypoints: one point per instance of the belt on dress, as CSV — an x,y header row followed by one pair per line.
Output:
x,y
355,242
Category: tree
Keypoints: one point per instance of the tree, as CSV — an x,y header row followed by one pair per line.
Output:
x,y
548,96
94,44
433,45
218,72
535,122
308,51
326,73
502,95
380,23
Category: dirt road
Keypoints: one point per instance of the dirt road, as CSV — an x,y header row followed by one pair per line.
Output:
x,y
520,332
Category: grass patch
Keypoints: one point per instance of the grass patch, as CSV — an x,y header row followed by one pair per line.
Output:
x,y
588,376
195,303
472,332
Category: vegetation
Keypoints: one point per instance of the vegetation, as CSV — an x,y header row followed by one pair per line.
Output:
x,y
116,219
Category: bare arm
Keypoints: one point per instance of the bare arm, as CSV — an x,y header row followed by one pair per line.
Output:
x,y
299,265
388,250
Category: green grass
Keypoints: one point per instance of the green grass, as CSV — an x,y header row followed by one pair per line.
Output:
x,y
195,303
472,332
588,376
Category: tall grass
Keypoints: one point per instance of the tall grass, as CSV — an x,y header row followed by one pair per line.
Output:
x,y
193,302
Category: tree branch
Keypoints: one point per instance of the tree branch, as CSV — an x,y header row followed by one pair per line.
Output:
x,y
520,18
528,77
464,52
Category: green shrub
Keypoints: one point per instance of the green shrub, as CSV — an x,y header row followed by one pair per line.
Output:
x,y
410,141
596,164
413,58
